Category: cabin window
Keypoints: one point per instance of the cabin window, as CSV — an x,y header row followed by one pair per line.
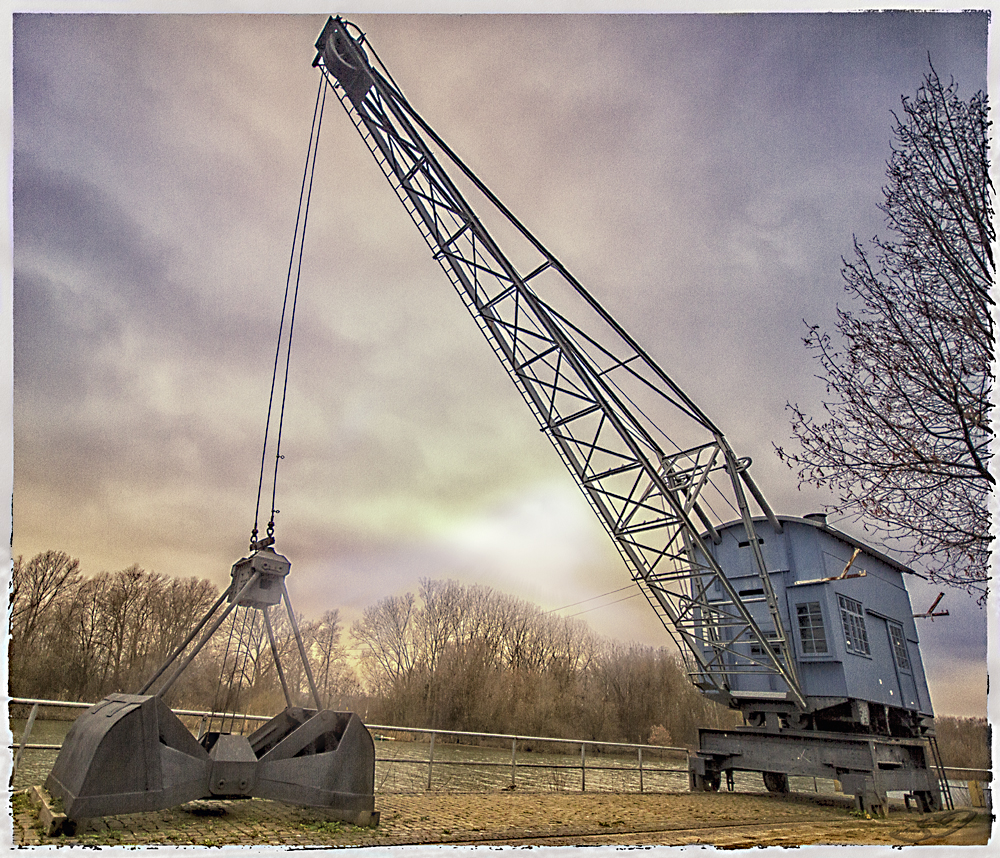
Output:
x,y
758,651
853,618
811,631
899,646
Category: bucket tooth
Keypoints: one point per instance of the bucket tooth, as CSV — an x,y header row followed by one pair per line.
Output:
x,y
126,754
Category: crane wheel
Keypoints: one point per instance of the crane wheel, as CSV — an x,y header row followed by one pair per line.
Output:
x,y
776,782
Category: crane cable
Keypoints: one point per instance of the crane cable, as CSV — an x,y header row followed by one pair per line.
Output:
x,y
298,242
244,638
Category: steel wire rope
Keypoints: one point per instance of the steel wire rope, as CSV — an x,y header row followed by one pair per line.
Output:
x,y
705,500
228,703
652,423
232,674
249,644
311,170
691,407
222,672
243,642
224,688
606,605
687,406
300,218
591,599
621,364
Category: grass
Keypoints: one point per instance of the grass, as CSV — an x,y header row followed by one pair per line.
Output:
x,y
330,826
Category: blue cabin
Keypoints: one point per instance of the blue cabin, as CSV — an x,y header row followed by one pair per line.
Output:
x,y
848,619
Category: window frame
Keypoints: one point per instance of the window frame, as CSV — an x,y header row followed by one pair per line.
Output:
x,y
899,647
827,652
852,621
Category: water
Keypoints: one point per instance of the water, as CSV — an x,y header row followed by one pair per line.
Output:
x,y
36,765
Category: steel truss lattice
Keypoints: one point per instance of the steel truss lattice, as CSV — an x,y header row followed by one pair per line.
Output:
x,y
593,390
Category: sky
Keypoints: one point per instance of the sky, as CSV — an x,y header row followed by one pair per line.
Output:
x,y
702,175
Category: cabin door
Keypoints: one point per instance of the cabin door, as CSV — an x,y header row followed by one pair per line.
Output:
x,y
887,684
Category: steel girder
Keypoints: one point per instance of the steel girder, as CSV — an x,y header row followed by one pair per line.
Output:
x,y
590,386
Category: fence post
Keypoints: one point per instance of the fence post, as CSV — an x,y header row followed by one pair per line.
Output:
x,y
583,768
640,771
25,737
513,761
430,764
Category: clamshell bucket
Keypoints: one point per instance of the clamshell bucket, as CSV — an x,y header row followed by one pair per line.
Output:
x,y
130,753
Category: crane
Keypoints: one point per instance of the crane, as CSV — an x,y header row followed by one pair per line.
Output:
x,y
750,598
806,631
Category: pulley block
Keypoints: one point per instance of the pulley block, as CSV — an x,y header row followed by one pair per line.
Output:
x,y
273,569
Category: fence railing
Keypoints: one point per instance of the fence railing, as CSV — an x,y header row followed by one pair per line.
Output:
x,y
593,763
597,758
590,752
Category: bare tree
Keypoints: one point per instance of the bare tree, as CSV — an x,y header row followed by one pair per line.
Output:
x,y
385,632
182,602
40,590
80,638
36,585
335,678
906,433
129,607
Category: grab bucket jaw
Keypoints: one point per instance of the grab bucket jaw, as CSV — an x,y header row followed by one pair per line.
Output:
x,y
131,753
126,754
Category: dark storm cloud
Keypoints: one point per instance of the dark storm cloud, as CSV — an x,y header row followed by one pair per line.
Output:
x,y
108,276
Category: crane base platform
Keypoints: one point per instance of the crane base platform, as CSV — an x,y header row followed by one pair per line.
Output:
x,y
130,753
867,766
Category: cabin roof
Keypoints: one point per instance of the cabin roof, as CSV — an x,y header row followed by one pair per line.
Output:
x,y
818,520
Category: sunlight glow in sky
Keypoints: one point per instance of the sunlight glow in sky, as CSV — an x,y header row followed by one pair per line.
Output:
x,y
702,175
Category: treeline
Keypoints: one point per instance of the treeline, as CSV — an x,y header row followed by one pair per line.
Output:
x,y
451,656
461,657
75,637
964,743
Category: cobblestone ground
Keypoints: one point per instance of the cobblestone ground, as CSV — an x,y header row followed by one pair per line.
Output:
x,y
721,819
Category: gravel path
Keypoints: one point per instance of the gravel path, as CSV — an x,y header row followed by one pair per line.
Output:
x,y
722,819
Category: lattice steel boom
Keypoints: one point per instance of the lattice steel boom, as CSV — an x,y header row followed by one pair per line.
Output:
x,y
593,390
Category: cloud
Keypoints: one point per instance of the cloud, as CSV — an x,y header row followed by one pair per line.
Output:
x,y
701,175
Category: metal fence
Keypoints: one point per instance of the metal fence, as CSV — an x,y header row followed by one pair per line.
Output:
x,y
459,760
413,759
429,757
